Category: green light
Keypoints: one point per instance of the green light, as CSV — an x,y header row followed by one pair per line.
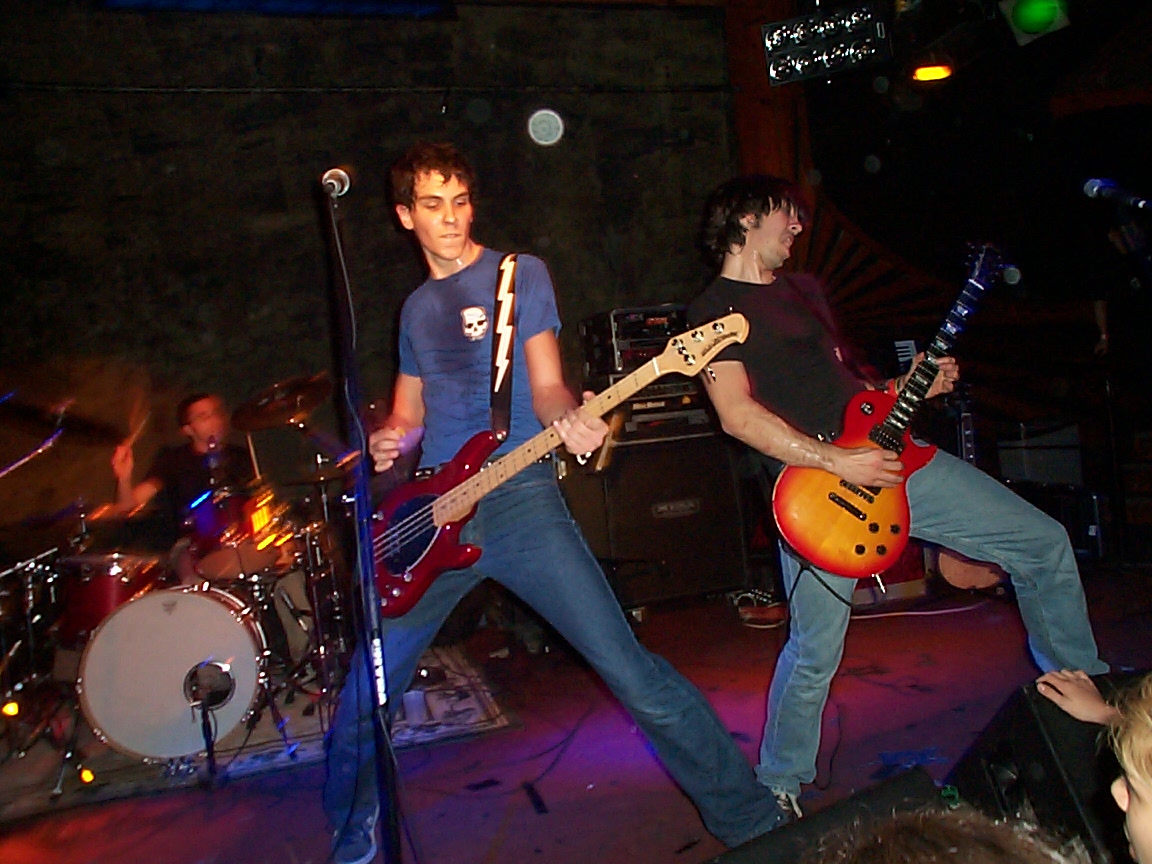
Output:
x,y
1036,16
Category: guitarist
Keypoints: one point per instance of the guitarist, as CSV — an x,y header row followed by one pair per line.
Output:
x,y
530,543
783,392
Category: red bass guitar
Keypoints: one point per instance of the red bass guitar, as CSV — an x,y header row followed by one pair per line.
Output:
x,y
416,531
855,531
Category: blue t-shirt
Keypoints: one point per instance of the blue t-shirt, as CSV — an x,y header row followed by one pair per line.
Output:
x,y
446,329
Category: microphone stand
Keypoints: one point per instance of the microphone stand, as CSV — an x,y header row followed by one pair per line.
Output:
x,y
334,184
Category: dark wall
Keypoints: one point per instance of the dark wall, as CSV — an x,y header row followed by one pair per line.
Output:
x,y
160,231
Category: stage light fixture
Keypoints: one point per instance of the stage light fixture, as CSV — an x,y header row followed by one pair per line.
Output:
x,y
824,42
932,69
11,709
87,775
1031,19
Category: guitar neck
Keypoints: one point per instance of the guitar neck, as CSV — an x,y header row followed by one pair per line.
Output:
x,y
889,433
464,497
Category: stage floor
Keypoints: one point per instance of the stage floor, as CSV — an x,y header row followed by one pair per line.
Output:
x,y
571,779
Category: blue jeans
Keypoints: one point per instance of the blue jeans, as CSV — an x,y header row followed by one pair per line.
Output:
x,y
958,506
534,548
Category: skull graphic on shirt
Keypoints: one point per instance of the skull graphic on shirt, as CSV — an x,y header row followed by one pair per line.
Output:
x,y
475,321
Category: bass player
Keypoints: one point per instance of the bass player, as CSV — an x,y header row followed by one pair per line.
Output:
x,y
530,543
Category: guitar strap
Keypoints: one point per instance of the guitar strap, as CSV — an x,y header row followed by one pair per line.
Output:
x,y
503,340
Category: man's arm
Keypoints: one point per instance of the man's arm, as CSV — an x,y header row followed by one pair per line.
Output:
x,y
404,425
744,418
553,402
129,497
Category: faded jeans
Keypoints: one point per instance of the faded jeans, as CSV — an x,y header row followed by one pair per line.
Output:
x,y
534,548
957,506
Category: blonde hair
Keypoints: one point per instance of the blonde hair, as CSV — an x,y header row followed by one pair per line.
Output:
x,y
1131,734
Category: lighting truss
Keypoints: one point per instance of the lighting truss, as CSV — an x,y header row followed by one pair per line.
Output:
x,y
824,42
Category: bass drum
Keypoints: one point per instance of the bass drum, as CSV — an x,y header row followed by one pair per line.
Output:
x,y
149,665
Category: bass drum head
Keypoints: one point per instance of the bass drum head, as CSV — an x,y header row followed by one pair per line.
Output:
x,y
151,660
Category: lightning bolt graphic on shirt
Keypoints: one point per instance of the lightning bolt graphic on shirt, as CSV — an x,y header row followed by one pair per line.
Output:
x,y
504,322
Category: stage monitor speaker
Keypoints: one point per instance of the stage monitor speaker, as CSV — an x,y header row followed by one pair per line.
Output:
x,y
1036,762
665,519
910,790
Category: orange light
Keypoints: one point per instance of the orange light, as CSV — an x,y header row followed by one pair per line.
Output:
x,y
935,72
87,775
10,709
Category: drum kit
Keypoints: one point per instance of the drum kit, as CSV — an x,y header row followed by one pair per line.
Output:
x,y
164,655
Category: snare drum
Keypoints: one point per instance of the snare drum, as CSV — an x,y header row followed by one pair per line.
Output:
x,y
236,535
149,665
94,586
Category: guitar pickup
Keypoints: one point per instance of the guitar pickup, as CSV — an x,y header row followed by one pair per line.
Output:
x,y
856,490
848,506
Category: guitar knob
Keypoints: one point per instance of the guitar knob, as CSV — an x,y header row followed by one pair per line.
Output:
x,y
874,527
895,528
395,592
866,408
860,550
881,550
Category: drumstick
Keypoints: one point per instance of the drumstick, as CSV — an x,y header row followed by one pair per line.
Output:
x,y
131,439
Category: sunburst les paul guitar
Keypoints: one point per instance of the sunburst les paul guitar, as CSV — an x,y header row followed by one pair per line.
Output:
x,y
416,530
861,531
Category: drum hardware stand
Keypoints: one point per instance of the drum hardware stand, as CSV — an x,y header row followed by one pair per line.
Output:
x,y
68,757
268,697
49,708
329,643
262,603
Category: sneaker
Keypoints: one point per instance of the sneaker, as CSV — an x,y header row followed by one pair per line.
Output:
x,y
356,844
766,617
789,803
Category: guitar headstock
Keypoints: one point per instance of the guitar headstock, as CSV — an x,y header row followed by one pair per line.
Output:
x,y
692,350
986,263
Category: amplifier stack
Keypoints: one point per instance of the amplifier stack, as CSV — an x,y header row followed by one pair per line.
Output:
x,y
660,504
617,343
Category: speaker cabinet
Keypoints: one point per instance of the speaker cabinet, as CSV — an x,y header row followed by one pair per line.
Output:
x,y
664,518
1034,761
911,790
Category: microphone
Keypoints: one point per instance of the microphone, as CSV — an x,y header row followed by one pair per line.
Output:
x,y
214,459
1107,189
335,182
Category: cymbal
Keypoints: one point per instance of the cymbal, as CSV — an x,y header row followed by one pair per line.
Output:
x,y
74,512
287,403
327,474
43,421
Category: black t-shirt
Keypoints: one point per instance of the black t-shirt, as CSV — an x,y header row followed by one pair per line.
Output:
x,y
185,475
791,350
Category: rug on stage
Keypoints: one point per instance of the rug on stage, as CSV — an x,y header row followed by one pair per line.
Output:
x,y
452,699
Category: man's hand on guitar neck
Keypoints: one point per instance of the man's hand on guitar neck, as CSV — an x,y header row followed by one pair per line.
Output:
x,y
580,431
945,380
865,466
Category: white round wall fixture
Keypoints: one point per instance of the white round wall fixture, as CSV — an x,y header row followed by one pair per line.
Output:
x,y
545,127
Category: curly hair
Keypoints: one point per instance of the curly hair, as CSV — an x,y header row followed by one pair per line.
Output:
x,y
752,194
426,157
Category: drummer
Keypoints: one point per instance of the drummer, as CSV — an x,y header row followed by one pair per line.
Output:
x,y
179,475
